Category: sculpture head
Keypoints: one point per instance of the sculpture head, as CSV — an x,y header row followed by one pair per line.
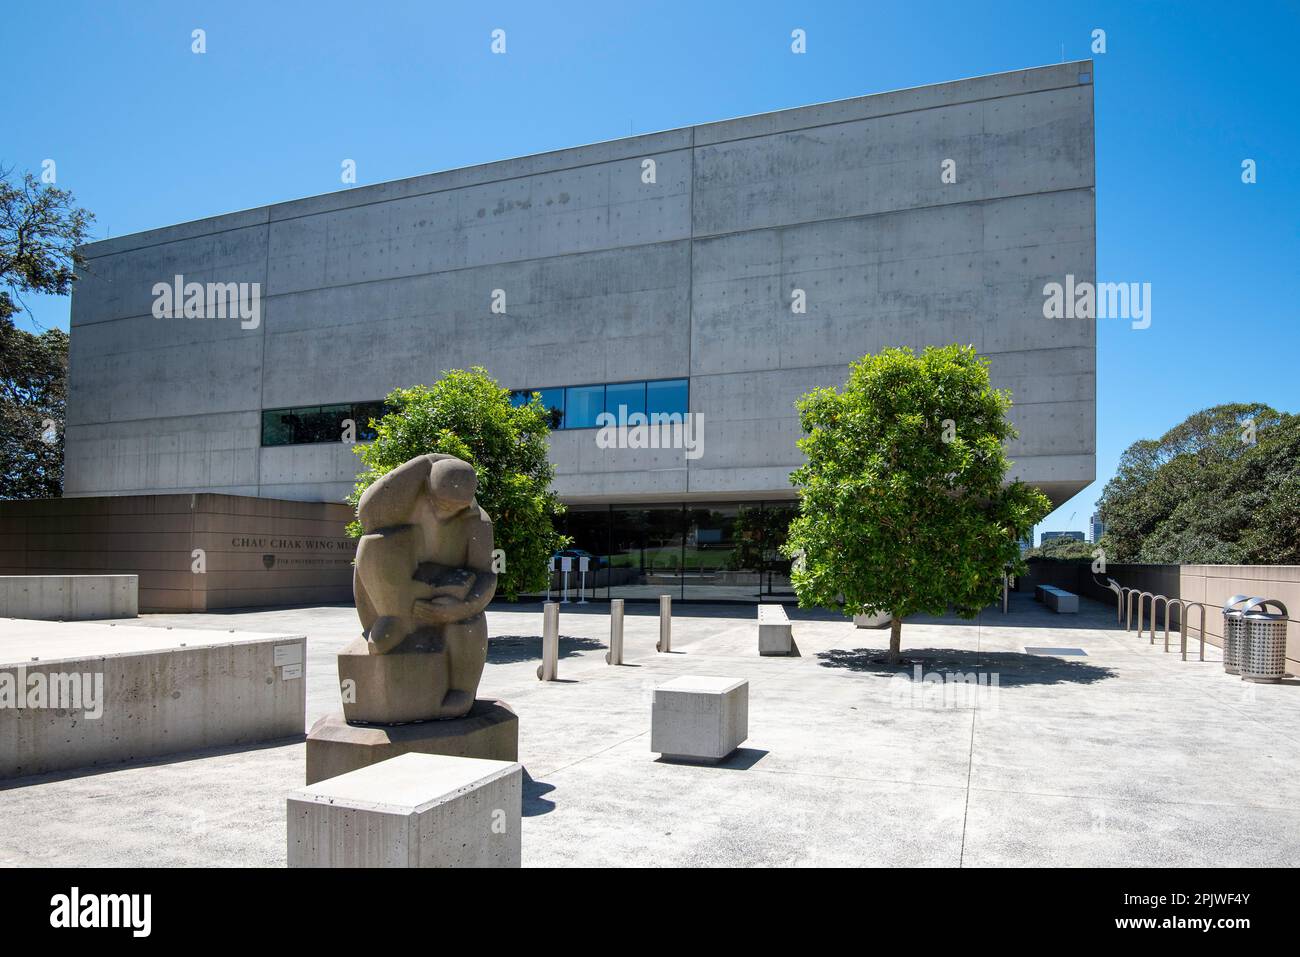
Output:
x,y
452,484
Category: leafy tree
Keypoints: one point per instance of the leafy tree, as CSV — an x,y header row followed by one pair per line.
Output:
x,y
903,506
1064,550
466,414
33,390
40,230
1220,487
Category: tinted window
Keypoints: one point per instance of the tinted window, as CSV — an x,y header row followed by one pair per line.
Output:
x,y
667,395
582,404
629,394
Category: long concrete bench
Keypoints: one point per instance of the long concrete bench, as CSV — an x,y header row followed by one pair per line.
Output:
x,y
1058,599
774,636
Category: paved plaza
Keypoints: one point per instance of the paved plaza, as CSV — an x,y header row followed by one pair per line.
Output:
x,y
1123,755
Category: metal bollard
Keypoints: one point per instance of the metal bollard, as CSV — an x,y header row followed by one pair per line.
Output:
x,y
665,624
550,642
615,654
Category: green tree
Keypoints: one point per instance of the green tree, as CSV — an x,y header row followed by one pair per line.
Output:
x,y
1221,487
466,414
1063,550
903,503
33,391
40,230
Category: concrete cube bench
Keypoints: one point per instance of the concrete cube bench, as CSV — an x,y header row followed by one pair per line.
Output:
x,y
414,810
774,636
698,718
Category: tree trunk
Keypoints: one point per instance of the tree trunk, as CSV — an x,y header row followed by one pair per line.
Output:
x,y
895,639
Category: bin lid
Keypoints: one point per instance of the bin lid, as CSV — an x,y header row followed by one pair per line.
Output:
x,y
1256,610
1228,606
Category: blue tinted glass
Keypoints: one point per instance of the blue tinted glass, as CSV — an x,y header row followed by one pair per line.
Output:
x,y
582,403
520,397
553,399
667,395
630,394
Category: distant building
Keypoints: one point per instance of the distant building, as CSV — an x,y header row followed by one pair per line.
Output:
x,y
1098,527
1048,536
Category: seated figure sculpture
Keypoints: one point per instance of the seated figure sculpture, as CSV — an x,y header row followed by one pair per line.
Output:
x,y
422,580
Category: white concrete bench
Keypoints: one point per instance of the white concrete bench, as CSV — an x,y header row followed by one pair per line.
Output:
x,y
414,810
1060,600
774,636
699,718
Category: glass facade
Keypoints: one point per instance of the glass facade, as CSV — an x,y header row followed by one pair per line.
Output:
x,y
309,424
695,552
579,406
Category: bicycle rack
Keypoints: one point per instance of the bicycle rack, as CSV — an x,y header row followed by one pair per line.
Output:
x,y
1141,596
1124,599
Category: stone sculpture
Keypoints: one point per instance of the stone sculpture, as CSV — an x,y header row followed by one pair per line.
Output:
x,y
423,578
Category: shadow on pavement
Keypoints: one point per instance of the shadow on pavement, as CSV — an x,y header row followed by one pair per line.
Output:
x,y
1011,667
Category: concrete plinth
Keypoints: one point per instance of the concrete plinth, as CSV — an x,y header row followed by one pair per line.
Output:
x,y
872,621
415,810
698,718
774,631
490,731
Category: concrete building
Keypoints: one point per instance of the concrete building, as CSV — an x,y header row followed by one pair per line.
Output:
x,y
664,271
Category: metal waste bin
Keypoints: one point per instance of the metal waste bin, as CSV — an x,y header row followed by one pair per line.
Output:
x,y
1234,631
1263,648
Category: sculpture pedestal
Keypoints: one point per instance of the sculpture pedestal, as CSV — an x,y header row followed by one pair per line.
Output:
x,y
417,810
334,747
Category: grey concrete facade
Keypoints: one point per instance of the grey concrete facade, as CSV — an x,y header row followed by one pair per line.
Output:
x,y
610,278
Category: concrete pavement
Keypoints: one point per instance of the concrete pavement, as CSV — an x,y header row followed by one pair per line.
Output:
x,y
1123,756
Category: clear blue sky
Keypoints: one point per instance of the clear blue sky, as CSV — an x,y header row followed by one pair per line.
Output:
x,y
147,133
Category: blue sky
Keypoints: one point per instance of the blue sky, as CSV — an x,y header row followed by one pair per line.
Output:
x,y
146,133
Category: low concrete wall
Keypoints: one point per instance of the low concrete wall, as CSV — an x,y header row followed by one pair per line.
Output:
x,y
69,597
1211,584
190,552
76,695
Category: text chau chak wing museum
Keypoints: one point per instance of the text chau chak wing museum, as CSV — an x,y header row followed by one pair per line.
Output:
x,y
722,270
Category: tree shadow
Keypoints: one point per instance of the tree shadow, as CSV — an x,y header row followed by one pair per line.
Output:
x,y
506,649
1011,667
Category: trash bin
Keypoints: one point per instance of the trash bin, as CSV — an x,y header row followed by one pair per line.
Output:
x,y
1234,630
1263,649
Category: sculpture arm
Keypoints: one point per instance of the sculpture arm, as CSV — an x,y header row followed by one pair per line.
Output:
x,y
478,561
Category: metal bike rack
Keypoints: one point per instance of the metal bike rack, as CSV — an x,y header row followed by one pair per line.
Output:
x,y
1125,598
1141,597
1131,594
1168,602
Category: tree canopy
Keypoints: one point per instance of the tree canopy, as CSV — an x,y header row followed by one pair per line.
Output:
x,y
1063,549
1221,487
40,230
33,392
904,507
466,414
